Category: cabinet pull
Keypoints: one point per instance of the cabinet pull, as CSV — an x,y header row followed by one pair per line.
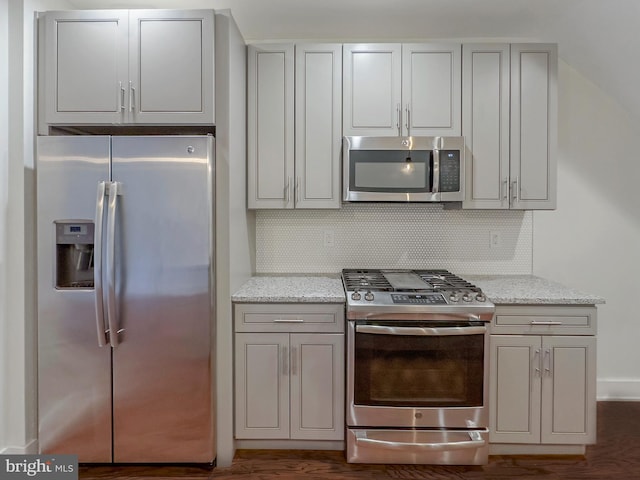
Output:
x,y
514,190
536,355
297,190
122,93
505,189
547,362
408,124
286,190
399,119
535,322
132,94
288,320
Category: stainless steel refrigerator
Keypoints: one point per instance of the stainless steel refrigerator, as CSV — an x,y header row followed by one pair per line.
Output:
x,y
126,298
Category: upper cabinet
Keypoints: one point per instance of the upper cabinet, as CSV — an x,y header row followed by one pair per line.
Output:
x,y
294,129
509,114
129,66
402,89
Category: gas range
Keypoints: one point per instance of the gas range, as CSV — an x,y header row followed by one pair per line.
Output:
x,y
371,292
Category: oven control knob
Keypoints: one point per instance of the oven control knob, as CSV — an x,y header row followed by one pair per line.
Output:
x,y
368,296
454,297
356,295
466,297
480,297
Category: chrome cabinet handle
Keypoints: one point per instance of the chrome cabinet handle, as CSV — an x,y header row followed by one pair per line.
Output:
x,y
97,266
475,441
420,331
399,119
297,190
534,322
132,92
112,313
408,124
505,189
514,190
547,362
288,320
122,93
536,355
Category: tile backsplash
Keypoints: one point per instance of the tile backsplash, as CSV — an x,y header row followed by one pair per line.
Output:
x,y
394,236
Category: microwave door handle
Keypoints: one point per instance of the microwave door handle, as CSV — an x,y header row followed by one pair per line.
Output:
x,y
421,331
435,182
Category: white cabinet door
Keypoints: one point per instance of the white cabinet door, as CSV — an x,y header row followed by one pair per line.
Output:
x,y
485,124
534,105
171,58
270,126
569,390
86,66
129,66
372,89
317,386
515,389
431,89
318,125
543,389
262,385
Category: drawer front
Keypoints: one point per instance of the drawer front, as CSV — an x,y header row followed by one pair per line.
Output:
x,y
283,317
543,320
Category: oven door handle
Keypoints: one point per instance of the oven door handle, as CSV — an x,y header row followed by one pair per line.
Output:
x,y
476,442
421,331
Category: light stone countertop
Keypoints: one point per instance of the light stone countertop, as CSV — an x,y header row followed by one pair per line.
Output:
x,y
529,289
500,289
287,289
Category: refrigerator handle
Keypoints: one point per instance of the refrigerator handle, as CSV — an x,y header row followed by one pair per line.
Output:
x,y
112,313
97,266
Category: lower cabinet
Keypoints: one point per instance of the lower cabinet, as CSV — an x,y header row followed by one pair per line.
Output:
x,y
289,385
543,379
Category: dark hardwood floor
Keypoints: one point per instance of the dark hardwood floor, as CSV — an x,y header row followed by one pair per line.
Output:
x,y
616,456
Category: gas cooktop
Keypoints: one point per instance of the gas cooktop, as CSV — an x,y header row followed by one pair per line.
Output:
x,y
371,291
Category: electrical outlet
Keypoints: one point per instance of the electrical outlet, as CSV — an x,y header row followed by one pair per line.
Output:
x,y
495,239
329,239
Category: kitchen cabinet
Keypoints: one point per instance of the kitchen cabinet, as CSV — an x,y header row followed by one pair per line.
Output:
x,y
402,89
129,67
289,371
294,125
542,378
509,121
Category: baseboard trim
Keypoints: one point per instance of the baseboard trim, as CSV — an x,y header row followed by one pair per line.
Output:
x,y
29,449
619,389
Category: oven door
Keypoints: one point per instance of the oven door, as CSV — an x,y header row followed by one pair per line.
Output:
x,y
417,374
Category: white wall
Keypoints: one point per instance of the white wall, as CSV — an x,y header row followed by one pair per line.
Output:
x,y
234,224
4,187
592,240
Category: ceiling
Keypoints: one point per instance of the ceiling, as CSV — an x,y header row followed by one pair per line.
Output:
x,y
599,38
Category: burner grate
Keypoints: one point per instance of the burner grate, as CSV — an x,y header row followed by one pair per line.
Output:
x,y
443,279
365,279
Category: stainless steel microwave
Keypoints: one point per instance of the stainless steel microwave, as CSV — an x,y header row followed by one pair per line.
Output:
x,y
403,169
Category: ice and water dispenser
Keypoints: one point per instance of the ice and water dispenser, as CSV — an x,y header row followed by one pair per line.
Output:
x,y
74,254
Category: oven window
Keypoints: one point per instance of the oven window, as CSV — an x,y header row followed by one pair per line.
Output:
x,y
419,371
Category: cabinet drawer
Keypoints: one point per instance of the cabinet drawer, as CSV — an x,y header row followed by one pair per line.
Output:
x,y
555,320
279,317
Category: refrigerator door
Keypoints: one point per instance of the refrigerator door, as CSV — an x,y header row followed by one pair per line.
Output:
x,y
74,373
162,364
